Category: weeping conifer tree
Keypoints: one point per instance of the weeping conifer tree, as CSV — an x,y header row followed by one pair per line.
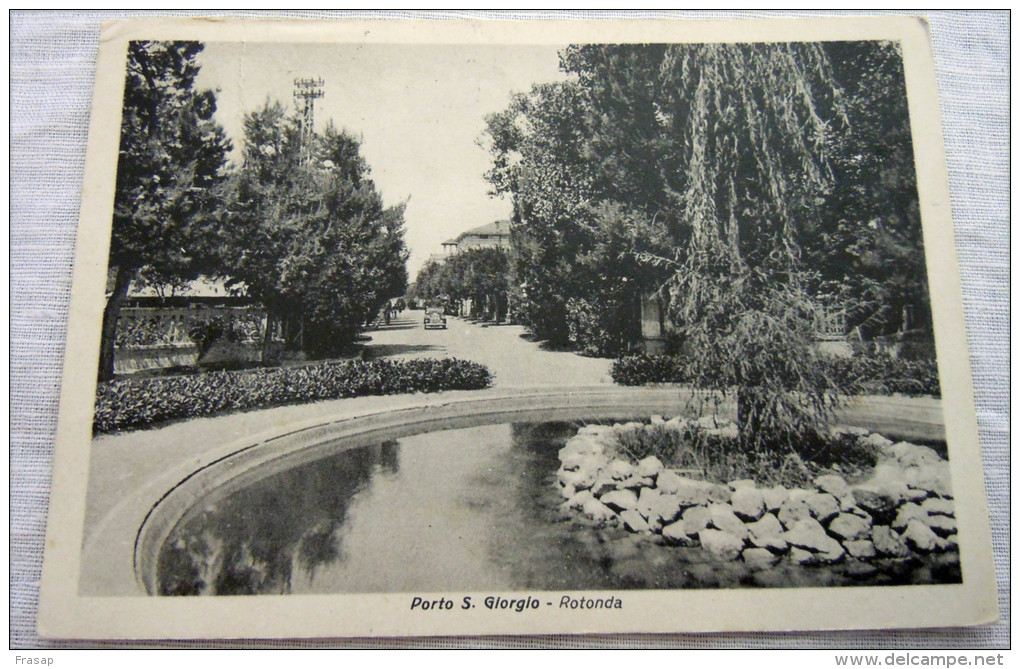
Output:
x,y
753,127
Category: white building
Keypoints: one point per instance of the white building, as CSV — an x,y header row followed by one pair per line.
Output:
x,y
496,234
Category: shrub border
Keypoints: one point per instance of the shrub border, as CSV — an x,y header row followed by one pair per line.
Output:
x,y
133,403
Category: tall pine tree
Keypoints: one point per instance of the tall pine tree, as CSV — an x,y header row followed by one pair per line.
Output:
x,y
169,173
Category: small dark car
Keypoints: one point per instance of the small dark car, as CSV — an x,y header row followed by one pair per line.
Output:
x,y
434,318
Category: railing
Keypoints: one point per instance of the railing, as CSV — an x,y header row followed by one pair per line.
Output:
x,y
170,327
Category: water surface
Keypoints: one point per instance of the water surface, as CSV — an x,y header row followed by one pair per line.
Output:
x,y
473,509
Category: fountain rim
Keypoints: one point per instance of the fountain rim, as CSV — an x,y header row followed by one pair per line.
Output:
x,y
303,443
148,515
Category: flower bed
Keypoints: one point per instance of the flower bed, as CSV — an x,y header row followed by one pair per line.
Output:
x,y
902,510
141,402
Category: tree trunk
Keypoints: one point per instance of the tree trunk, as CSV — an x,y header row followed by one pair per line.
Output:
x,y
121,284
266,338
749,411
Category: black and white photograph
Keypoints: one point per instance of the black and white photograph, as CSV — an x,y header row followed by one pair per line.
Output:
x,y
457,332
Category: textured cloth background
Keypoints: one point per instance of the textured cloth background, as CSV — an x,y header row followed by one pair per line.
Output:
x,y
52,68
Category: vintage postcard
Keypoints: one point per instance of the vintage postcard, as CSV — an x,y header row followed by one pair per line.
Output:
x,y
404,328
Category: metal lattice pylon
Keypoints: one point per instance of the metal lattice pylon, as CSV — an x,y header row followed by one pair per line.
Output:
x,y
306,92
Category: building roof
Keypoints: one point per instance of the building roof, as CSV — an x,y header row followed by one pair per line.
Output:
x,y
494,229
201,287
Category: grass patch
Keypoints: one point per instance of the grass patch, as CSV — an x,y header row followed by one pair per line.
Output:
x,y
720,459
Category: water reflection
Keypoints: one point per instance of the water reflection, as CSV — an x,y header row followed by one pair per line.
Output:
x,y
457,510
251,542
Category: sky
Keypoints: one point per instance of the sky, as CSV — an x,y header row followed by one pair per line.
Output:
x,y
419,109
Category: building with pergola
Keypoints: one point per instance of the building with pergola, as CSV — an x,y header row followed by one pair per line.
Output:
x,y
495,234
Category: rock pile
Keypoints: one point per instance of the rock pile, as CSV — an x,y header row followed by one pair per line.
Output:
x,y
904,510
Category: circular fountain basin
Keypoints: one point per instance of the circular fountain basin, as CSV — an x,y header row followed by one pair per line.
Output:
x,y
122,554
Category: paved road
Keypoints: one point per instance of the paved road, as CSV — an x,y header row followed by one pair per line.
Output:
x,y
506,350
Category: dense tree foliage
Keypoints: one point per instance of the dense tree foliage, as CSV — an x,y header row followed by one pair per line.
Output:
x,y
870,251
310,238
479,275
300,229
570,247
760,188
169,172
537,145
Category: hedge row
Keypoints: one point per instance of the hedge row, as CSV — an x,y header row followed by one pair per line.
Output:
x,y
883,375
131,403
877,375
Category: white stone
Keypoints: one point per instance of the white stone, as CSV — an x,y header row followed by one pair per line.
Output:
x,y
619,500
578,500
579,479
759,558
693,493
942,525
636,482
774,497
719,494
583,444
583,462
748,503
934,478
633,521
912,455
597,510
888,542
767,533
916,495
665,509
647,497
793,510
603,484
619,470
823,506
861,549
724,519
802,557
649,466
833,484
799,494
920,537
875,503
849,527
888,471
720,544
908,512
938,506
876,440
668,481
695,519
676,533
810,535
742,483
